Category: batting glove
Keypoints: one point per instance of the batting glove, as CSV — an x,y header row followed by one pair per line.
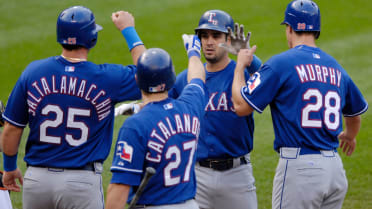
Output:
x,y
127,109
238,40
192,45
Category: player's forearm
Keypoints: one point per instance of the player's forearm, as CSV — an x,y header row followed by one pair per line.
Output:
x,y
10,139
195,69
240,105
352,126
117,195
136,53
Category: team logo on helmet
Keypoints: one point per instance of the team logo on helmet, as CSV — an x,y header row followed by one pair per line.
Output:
x,y
210,18
216,20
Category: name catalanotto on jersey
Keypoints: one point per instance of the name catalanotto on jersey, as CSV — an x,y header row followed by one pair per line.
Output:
x,y
167,130
71,86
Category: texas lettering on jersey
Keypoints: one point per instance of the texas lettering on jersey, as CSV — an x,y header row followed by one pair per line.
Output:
x,y
218,101
71,86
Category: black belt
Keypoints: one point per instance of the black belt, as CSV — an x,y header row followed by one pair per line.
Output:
x,y
87,167
221,164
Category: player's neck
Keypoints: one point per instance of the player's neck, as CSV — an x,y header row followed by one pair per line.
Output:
x,y
307,40
154,97
218,66
79,55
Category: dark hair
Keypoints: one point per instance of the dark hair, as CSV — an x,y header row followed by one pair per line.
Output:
x,y
71,47
315,33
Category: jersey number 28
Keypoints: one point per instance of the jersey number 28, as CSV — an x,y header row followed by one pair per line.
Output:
x,y
330,108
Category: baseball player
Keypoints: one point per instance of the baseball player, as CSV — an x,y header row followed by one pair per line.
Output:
x,y
224,172
68,104
5,201
163,135
308,92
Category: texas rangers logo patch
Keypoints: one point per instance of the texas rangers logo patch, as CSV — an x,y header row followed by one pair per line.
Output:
x,y
253,82
124,151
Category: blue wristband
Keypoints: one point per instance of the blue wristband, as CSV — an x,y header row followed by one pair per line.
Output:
x,y
10,162
193,53
131,37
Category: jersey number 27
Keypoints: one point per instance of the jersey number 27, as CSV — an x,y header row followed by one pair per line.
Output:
x,y
170,180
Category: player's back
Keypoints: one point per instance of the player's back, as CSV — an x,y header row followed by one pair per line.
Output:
x,y
313,93
69,109
173,137
163,135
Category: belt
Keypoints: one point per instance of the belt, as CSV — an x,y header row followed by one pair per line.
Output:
x,y
88,167
223,164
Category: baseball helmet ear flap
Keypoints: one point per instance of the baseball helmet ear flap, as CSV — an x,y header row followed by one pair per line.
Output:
x,y
76,26
155,71
303,15
217,20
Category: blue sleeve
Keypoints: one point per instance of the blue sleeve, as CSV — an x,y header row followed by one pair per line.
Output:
x,y
195,93
127,88
180,84
355,103
16,112
261,88
129,157
255,65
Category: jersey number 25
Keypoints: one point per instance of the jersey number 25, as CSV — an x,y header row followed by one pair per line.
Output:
x,y
71,123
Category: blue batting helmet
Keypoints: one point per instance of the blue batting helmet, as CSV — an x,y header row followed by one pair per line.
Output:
x,y
302,15
215,20
76,26
155,71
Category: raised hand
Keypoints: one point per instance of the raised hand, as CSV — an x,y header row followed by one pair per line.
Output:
x,y
238,40
192,45
122,19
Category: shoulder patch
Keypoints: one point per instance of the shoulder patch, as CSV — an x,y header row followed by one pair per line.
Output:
x,y
124,151
253,82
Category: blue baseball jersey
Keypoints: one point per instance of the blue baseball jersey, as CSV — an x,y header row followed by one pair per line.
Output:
x,y
308,92
163,135
225,134
69,108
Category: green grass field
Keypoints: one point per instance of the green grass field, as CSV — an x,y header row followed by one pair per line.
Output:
x,y
27,33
